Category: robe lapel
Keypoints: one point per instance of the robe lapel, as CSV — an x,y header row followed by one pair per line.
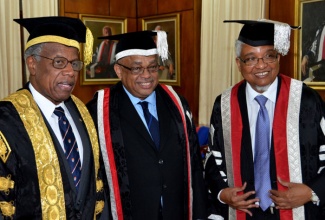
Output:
x,y
164,120
247,162
129,113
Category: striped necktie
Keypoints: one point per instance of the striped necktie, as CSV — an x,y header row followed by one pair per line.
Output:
x,y
152,123
71,150
262,155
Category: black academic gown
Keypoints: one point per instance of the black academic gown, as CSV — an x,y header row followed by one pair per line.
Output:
x,y
311,137
150,176
21,168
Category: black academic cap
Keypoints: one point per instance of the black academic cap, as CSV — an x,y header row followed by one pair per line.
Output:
x,y
64,30
140,43
265,32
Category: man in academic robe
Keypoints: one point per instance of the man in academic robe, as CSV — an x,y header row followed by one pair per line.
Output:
x,y
49,151
293,161
151,154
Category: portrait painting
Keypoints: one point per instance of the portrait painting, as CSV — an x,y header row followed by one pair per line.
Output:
x,y
312,46
169,70
101,68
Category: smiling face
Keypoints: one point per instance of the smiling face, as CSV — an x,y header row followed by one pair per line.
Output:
x,y
262,75
141,85
55,84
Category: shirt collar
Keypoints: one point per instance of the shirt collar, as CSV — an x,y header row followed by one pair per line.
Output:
x,y
270,93
47,107
135,100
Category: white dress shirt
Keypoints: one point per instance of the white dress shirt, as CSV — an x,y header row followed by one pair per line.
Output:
x,y
47,107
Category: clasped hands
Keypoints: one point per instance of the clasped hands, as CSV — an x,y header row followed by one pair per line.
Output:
x,y
295,195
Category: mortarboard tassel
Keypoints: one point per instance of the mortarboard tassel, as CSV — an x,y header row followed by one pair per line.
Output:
x,y
88,49
162,45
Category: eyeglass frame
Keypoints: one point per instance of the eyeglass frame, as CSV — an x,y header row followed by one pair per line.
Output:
x,y
131,69
258,59
68,61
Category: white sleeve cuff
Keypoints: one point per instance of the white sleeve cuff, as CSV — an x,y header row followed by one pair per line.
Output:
x,y
219,197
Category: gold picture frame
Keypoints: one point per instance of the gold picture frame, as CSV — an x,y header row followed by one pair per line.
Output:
x,y
170,71
310,66
100,70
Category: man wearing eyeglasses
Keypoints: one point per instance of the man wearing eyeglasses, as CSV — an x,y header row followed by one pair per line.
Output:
x,y
266,149
147,137
49,152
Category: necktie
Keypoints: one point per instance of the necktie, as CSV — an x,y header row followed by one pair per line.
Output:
x,y
70,145
262,155
152,123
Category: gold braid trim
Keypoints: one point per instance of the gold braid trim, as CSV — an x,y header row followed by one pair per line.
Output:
x,y
5,149
55,39
88,48
92,135
6,184
47,164
7,209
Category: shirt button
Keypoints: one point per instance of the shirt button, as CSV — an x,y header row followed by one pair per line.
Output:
x,y
164,186
161,161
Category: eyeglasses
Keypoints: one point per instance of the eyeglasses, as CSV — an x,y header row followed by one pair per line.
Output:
x,y
267,58
62,62
139,70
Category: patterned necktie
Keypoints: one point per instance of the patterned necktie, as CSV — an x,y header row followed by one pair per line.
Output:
x,y
71,150
262,155
152,123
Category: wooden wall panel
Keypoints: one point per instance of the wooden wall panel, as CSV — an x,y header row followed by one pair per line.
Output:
x,y
100,7
147,8
132,25
123,8
157,7
169,6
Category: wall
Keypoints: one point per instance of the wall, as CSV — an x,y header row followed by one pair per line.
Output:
x,y
134,11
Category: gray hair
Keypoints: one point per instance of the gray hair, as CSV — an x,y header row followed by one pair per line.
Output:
x,y
35,49
238,47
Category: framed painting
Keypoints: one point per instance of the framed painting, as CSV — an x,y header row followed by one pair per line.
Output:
x,y
101,69
311,46
169,70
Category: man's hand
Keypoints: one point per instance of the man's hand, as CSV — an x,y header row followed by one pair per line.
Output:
x,y
297,195
304,64
230,197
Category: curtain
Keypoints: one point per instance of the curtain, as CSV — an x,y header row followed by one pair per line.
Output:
x,y
10,53
10,76
218,70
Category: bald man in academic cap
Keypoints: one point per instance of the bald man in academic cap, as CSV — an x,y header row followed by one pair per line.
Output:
x,y
267,138
147,137
50,165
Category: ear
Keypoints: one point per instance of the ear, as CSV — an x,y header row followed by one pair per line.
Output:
x,y
31,65
118,71
238,62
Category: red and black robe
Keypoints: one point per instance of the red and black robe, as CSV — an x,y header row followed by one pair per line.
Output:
x,y
297,151
138,174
